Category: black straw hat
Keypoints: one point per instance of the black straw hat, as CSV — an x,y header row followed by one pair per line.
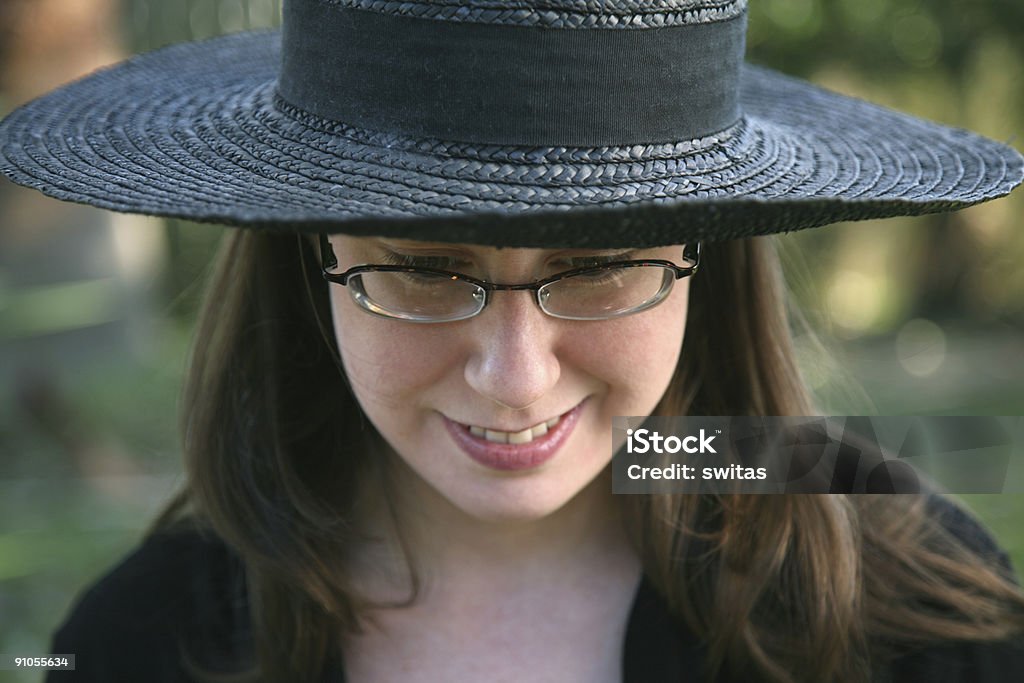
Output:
x,y
568,122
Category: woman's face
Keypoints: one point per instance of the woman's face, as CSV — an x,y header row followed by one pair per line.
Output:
x,y
432,390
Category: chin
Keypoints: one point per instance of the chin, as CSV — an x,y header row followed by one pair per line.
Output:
x,y
510,514
530,503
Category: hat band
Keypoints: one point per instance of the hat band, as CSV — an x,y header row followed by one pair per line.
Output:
x,y
511,85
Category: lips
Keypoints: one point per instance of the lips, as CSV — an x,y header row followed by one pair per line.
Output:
x,y
513,451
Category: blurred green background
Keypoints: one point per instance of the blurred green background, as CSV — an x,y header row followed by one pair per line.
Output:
x,y
909,316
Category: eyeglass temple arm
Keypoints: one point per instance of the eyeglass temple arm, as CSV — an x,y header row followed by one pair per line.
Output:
x,y
691,252
327,257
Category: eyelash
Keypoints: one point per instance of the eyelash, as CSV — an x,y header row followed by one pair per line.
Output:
x,y
593,261
409,261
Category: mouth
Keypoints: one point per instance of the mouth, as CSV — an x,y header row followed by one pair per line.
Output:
x,y
514,450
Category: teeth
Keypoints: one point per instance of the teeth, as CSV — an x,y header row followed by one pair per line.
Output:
x,y
525,436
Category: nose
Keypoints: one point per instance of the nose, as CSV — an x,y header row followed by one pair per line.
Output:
x,y
514,361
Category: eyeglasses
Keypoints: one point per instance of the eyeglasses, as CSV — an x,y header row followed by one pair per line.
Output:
x,y
430,295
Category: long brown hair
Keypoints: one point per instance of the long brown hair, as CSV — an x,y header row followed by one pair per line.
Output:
x,y
780,588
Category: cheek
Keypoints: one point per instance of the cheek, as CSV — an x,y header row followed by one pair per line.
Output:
x,y
387,362
637,356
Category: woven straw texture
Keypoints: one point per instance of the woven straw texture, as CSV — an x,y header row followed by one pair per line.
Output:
x,y
195,132
603,14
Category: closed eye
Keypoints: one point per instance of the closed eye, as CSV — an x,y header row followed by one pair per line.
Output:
x,y
597,277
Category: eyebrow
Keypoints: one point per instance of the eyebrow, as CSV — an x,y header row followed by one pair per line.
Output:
x,y
421,246
388,243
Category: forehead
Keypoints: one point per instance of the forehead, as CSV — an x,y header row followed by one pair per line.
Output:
x,y
361,244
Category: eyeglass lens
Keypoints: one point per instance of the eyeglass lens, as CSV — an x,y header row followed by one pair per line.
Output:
x,y
417,296
607,293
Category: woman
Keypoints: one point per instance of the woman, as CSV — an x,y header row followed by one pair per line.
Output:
x,y
399,471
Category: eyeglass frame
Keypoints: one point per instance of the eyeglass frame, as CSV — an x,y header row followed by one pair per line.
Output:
x,y
691,252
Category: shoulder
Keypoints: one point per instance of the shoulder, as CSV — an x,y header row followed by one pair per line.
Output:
x,y
179,592
991,662
959,661
967,529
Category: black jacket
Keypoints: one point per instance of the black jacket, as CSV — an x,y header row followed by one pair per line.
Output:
x,y
185,590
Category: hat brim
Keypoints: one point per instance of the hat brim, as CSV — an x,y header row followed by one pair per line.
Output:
x,y
194,132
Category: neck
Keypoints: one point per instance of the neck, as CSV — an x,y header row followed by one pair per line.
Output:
x,y
445,546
